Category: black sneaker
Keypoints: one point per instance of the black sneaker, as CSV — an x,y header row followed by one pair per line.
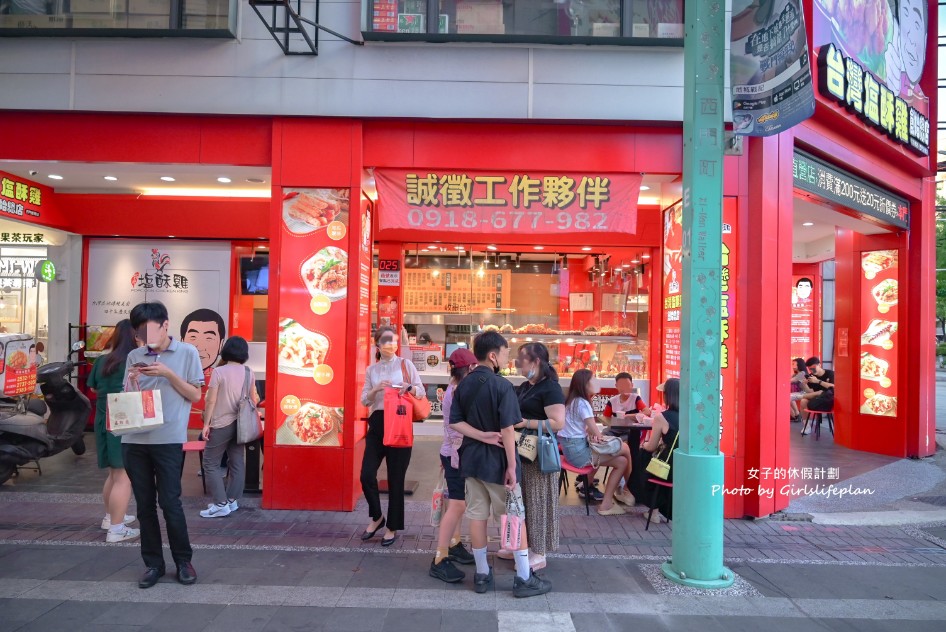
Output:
x,y
531,588
446,571
596,493
460,555
481,582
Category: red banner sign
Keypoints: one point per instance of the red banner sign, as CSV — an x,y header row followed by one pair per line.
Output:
x,y
457,202
879,324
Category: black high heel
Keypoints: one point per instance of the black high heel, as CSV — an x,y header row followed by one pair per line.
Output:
x,y
367,535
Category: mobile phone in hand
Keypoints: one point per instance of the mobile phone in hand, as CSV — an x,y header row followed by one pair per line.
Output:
x,y
139,365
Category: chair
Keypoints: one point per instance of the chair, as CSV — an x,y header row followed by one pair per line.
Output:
x,y
580,471
814,418
198,447
658,483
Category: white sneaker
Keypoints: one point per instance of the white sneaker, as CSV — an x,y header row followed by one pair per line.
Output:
x,y
126,533
107,521
657,518
215,511
233,506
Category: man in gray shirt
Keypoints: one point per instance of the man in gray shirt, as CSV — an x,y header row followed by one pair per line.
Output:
x,y
153,459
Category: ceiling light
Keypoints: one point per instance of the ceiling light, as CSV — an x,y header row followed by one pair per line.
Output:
x,y
201,192
432,247
538,247
111,178
635,260
255,180
645,256
625,265
491,247
644,187
167,178
586,248
53,176
808,223
224,180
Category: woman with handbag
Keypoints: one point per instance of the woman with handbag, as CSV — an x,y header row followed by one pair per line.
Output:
x,y
390,371
449,547
663,438
583,444
541,402
107,376
228,382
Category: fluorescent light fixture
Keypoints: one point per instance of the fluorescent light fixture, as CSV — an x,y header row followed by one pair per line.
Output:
x,y
167,178
224,180
644,187
53,176
203,192
808,223
432,247
645,256
491,247
538,247
110,178
255,180
586,248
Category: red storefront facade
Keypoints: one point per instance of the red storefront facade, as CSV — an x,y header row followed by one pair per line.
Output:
x,y
336,154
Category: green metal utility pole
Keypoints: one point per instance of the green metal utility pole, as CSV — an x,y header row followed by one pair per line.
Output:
x,y
697,543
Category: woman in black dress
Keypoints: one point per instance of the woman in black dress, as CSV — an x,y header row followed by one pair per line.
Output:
x,y
665,429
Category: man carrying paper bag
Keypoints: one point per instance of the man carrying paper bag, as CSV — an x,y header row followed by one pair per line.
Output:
x,y
170,371
135,411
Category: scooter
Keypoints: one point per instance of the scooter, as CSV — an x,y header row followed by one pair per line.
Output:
x,y
25,433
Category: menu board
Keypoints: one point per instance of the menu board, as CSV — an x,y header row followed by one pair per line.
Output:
x,y
313,304
456,291
672,275
803,316
879,309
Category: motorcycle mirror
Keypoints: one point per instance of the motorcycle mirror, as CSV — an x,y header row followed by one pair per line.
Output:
x,y
78,345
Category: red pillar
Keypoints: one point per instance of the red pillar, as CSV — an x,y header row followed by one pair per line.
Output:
x,y
764,316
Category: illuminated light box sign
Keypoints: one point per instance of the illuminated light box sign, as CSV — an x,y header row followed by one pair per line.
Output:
x,y
818,177
455,203
844,80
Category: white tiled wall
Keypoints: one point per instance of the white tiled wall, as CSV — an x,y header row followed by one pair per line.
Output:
x,y
250,75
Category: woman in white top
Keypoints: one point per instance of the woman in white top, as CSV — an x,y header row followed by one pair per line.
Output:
x,y
389,371
227,383
580,429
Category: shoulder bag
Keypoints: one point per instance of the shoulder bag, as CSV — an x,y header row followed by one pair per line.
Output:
x,y
420,405
609,447
548,456
249,426
661,467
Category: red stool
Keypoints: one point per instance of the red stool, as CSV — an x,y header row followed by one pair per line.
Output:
x,y
658,482
580,471
198,447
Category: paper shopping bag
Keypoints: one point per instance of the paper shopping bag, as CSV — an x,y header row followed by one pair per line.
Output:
x,y
398,412
134,412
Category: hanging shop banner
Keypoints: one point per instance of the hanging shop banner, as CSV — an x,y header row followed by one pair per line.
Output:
x,y
456,291
878,342
816,176
771,75
313,304
453,203
871,61
21,198
673,299
727,330
804,300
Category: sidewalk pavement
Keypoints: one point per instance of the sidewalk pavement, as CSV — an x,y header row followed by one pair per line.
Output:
x,y
307,570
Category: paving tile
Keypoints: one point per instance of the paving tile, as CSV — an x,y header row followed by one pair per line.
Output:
x,y
411,620
297,619
19,612
185,617
135,614
241,619
68,615
355,619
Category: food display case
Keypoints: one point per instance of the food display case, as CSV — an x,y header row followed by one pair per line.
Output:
x,y
590,315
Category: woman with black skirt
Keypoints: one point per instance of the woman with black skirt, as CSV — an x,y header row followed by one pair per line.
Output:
x,y
389,371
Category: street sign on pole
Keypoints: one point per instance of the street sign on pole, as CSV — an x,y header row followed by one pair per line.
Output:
x,y
697,540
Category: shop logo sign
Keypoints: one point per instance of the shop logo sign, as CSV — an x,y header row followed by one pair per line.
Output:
x,y
844,80
159,280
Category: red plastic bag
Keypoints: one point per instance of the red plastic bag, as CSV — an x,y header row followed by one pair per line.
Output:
x,y
398,420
